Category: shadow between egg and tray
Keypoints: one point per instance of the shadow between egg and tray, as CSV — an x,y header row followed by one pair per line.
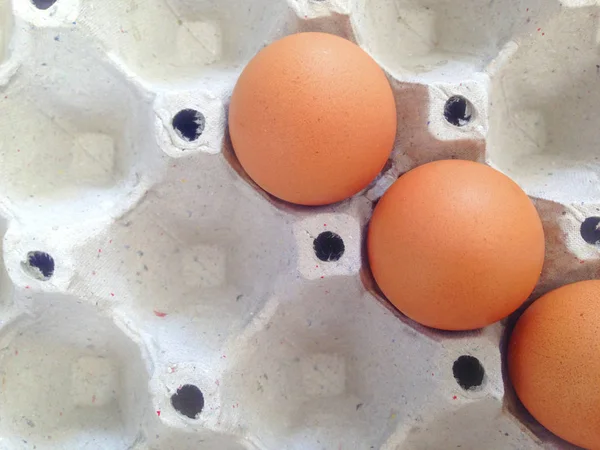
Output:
x,y
282,205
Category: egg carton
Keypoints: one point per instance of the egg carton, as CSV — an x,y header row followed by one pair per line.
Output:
x,y
152,297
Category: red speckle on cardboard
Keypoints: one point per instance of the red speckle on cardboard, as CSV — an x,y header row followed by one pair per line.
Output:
x,y
158,413
454,398
159,314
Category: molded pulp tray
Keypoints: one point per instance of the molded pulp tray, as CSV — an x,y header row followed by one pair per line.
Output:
x,y
179,285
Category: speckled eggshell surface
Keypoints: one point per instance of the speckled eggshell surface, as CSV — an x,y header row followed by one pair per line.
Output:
x,y
456,245
312,119
554,362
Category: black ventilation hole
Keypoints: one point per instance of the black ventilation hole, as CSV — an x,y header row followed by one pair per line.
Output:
x,y
458,111
43,4
39,265
329,246
590,230
189,124
188,400
468,372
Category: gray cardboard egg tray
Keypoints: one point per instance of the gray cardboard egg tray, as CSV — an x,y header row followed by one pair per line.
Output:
x,y
153,298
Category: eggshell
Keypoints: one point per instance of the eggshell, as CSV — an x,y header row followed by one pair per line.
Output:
x,y
456,245
554,362
312,119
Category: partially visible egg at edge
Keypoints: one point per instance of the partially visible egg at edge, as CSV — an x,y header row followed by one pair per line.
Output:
x,y
554,362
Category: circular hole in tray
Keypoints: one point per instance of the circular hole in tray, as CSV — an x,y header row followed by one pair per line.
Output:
x,y
43,4
458,111
329,246
189,124
468,371
590,230
188,400
39,265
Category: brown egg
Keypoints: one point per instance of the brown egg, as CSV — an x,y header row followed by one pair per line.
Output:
x,y
456,245
554,362
312,119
